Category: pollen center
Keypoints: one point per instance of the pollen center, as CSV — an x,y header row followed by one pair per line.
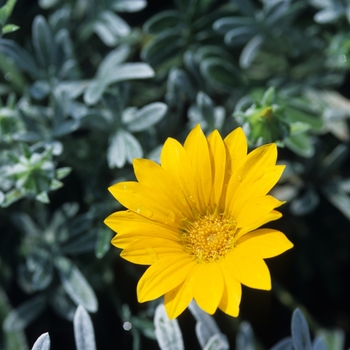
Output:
x,y
209,238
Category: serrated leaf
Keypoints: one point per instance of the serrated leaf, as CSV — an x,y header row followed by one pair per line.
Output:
x,y
147,117
103,242
75,284
300,331
42,343
167,331
24,314
83,330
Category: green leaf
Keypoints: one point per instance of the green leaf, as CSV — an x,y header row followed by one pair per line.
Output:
x,y
42,343
299,128
301,144
123,148
216,342
6,10
337,197
284,344
43,197
250,51
62,304
42,42
206,326
9,28
335,339
129,6
163,21
220,73
46,4
167,331
24,314
62,172
83,330
305,203
75,284
125,71
300,331
147,117
245,337
103,242
163,47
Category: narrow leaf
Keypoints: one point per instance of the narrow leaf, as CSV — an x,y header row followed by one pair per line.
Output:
x,y
83,330
167,331
42,343
300,331
75,284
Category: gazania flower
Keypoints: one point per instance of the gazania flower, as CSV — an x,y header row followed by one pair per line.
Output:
x,y
195,219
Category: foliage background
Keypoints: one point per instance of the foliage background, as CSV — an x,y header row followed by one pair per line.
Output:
x,y
87,85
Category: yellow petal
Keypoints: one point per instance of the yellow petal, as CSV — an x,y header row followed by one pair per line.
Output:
x,y
176,162
249,268
163,276
254,210
153,176
271,216
237,147
252,168
258,188
232,294
208,286
149,204
218,160
196,146
177,300
266,242
131,226
147,251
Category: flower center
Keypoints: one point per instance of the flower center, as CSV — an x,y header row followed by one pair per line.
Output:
x,y
209,238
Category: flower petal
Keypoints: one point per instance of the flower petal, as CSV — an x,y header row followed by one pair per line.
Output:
x,y
232,294
218,160
131,227
163,276
249,268
153,176
271,216
196,146
258,188
175,161
266,242
252,168
148,250
254,210
208,286
177,300
149,204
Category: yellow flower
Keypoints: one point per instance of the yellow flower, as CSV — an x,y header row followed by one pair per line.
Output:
x,y
195,220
